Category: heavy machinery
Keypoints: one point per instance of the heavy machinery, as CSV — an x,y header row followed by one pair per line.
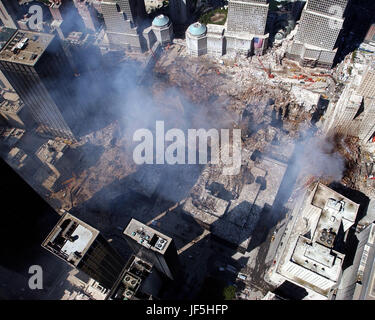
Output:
x,y
69,180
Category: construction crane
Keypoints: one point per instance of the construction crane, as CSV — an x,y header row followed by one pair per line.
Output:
x,y
268,71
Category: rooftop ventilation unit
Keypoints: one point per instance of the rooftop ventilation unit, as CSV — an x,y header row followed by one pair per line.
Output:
x,y
327,237
335,204
131,281
160,244
128,294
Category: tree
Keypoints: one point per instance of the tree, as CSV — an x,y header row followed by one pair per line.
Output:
x,y
229,292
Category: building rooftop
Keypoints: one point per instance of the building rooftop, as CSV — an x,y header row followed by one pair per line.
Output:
x,y
51,151
11,135
70,239
53,3
197,29
334,209
17,158
5,35
214,30
310,258
130,282
317,258
160,21
25,47
147,236
11,104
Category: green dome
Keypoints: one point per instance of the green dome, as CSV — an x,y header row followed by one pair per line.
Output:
x,y
197,29
160,21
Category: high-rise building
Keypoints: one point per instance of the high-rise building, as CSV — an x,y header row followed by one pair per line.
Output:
x,y
8,13
122,18
18,255
244,32
138,281
196,39
358,281
247,16
354,112
312,253
247,26
37,68
367,85
84,248
88,14
215,40
162,28
153,247
64,15
179,11
370,36
315,43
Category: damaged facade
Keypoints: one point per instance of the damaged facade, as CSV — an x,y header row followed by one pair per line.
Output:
x,y
354,112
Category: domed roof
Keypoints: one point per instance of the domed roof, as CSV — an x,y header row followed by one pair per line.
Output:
x,y
197,29
160,21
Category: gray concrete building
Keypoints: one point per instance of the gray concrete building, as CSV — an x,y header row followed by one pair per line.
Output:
x,y
215,40
179,11
246,27
196,39
8,10
341,116
88,14
163,29
367,85
243,32
139,280
318,31
122,19
370,36
354,112
84,248
358,281
153,247
37,68
15,112
311,254
248,16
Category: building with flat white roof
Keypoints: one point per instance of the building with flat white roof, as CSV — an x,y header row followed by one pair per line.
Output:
x,y
312,257
84,248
